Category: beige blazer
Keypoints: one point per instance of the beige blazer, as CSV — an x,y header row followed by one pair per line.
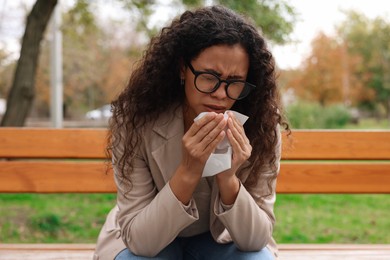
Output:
x,y
149,217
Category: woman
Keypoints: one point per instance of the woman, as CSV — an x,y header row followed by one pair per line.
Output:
x,y
210,60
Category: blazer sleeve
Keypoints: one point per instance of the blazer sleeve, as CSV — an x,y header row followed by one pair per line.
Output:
x,y
250,221
149,220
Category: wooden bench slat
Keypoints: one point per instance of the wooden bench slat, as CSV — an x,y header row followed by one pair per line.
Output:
x,y
334,178
86,177
286,251
90,143
336,145
313,247
55,177
47,255
52,143
334,251
37,246
335,254
283,247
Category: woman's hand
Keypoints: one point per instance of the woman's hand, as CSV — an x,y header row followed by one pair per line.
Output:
x,y
241,147
198,143
241,151
201,140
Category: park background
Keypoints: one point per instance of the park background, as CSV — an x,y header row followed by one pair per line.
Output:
x,y
337,77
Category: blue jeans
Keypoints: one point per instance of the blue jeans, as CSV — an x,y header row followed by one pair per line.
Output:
x,y
199,247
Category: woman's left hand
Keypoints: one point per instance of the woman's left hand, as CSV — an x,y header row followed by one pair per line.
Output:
x,y
241,151
241,148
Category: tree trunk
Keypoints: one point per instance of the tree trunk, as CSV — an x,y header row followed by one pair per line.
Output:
x,y
22,92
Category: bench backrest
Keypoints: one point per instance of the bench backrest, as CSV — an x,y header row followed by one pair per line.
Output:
x,y
73,160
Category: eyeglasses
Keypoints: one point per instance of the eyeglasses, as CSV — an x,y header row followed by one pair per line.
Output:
x,y
208,82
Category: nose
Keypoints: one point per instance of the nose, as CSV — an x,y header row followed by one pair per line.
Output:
x,y
220,93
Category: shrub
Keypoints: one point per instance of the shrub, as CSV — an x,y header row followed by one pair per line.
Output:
x,y
306,115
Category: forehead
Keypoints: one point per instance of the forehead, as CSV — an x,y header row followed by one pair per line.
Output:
x,y
224,59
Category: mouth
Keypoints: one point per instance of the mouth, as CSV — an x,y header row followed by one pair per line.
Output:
x,y
215,108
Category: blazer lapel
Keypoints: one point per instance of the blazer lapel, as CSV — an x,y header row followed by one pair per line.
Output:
x,y
169,131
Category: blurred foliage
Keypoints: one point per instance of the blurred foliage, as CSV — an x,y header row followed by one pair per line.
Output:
x,y
370,40
82,16
351,67
276,19
306,115
324,76
141,10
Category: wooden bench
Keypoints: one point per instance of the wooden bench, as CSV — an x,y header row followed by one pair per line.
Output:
x,y
39,160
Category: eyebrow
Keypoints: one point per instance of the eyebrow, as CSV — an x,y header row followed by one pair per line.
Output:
x,y
229,77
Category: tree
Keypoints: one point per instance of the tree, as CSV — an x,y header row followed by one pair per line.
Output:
x,y
320,79
269,15
95,62
22,91
5,68
370,40
328,75
276,19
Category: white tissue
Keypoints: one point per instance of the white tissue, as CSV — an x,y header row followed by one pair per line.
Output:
x,y
220,159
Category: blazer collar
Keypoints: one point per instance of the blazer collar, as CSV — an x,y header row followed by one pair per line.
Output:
x,y
167,151
170,123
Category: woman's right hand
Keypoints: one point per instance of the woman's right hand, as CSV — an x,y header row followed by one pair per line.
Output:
x,y
201,140
198,143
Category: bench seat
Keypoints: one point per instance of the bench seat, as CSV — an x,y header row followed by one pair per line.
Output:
x,y
287,251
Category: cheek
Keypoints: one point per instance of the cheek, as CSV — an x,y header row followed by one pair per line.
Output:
x,y
192,95
230,103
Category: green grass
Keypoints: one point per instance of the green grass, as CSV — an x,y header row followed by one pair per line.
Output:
x,y
77,218
53,218
332,219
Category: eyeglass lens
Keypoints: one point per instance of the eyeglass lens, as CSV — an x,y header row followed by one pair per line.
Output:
x,y
208,83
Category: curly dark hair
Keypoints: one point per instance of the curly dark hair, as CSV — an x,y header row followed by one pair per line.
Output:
x,y
154,85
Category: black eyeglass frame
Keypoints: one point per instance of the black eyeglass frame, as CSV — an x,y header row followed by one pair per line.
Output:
x,y
220,81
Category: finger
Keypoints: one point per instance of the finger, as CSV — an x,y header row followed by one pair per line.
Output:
x,y
213,134
236,148
237,123
239,150
198,124
239,127
213,144
204,136
238,135
207,132
211,124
